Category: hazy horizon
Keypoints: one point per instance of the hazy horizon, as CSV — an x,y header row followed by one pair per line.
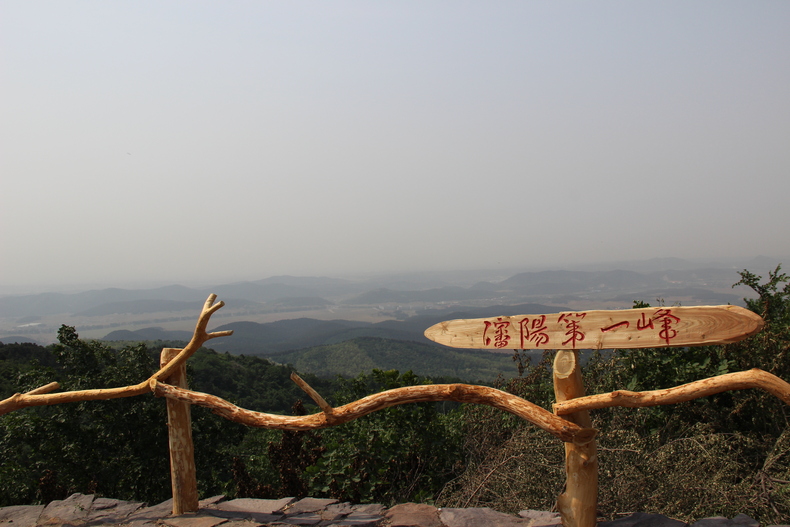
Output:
x,y
149,142
761,264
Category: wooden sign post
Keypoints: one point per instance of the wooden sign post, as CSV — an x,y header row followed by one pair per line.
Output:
x,y
183,474
569,332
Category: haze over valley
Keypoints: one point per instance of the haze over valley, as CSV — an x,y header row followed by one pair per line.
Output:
x,y
325,310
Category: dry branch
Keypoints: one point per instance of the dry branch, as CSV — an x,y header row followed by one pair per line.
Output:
x,y
754,378
322,404
47,388
42,397
464,393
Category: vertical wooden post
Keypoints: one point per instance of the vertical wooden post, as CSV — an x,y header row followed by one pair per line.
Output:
x,y
578,504
183,477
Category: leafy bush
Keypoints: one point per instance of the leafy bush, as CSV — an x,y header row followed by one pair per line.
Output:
x,y
402,453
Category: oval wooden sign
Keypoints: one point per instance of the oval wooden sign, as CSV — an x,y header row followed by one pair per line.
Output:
x,y
625,328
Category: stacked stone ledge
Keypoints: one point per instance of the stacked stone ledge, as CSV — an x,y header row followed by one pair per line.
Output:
x,y
80,510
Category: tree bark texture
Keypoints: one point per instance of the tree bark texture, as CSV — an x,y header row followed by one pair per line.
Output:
x,y
578,504
754,378
183,475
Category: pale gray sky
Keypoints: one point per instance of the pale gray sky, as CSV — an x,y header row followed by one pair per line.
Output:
x,y
194,140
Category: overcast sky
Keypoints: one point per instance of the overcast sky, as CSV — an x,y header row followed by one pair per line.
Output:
x,y
202,141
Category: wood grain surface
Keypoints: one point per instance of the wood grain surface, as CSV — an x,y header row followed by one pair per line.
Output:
x,y
626,328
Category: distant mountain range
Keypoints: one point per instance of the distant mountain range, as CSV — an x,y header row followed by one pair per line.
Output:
x,y
105,301
341,303
274,338
299,292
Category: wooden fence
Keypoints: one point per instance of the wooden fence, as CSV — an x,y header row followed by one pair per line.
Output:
x,y
569,422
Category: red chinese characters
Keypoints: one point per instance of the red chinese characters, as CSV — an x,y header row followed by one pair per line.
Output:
x,y
499,332
665,319
572,322
533,330
571,330
623,324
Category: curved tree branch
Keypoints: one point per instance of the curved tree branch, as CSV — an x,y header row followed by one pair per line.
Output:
x,y
465,393
42,397
37,398
754,378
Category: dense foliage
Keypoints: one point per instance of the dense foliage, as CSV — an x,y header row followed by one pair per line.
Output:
x,y
721,455
403,453
96,446
118,447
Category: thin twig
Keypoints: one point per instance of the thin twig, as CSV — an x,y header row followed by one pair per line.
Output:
x,y
312,393
485,479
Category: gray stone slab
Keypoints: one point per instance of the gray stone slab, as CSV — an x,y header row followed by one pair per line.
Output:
x,y
309,505
305,518
641,519
358,520
413,515
20,515
370,508
541,518
740,520
260,517
243,523
208,502
100,504
480,516
142,523
193,520
337,511
73,510
110,511
255,505
151,514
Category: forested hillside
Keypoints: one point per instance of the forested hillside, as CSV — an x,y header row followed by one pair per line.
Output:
x,y
351,357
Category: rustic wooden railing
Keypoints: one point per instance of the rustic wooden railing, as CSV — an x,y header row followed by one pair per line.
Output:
x,y
570,421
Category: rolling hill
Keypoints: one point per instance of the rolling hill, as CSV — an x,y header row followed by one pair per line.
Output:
x,y
352,357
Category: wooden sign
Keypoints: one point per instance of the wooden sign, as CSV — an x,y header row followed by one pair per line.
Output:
x,y
626,328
